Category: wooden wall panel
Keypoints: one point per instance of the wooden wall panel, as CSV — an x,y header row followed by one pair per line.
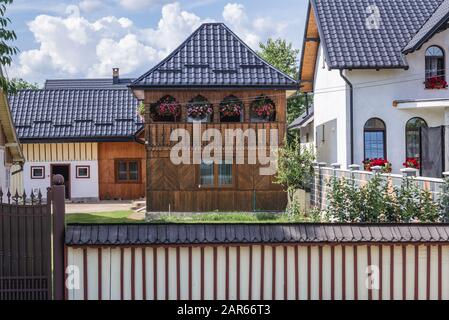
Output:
x,y
107,154
58,152
176,187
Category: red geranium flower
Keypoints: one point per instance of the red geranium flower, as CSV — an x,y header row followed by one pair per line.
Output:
x,y
412,163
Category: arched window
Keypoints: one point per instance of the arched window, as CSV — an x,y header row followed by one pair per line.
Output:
x,y
375,138
199,109
263,109
413,138
435,68
231,109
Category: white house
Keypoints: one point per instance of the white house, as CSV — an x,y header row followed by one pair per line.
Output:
x,y
378,73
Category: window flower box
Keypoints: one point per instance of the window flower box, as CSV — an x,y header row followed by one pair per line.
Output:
x,y
199,110
263,109
167,110
436,83
413,163
370,163
231,112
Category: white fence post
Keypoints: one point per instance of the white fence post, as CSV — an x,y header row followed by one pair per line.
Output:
x,y
409,173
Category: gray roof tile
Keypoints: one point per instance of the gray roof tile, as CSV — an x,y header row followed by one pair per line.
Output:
x,y
432,25
83,84
350,45
94,115
213,56
80,235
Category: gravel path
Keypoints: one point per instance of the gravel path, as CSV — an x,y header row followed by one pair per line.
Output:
x,y
103,206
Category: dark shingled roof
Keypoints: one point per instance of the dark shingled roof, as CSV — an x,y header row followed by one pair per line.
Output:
x,y
184,234
213,56
302,119
349,44
75,115
435,22
81,84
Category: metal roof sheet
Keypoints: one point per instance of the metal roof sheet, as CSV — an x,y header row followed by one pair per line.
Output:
x,y
93,114
213,56
175,234
349,44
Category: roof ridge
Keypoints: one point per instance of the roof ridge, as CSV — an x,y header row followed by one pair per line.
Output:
x,y
136,81
254,52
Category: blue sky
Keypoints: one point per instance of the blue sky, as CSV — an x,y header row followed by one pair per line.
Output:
x,y
87,38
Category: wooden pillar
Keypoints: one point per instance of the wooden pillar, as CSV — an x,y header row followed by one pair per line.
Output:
x,y
58,199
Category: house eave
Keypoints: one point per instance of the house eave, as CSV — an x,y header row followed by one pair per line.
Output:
x,y
215,87
78,139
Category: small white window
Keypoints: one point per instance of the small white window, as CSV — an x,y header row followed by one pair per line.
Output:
x,y
37,172
83,172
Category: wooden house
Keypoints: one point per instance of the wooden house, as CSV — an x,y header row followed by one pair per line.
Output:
x,y
10,149
87,131
213,69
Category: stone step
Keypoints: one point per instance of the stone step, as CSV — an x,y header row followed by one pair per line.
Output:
x,y
136,205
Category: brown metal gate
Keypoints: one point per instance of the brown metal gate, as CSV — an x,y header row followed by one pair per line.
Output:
x,y
25,247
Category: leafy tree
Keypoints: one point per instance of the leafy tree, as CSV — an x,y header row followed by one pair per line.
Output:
x,y
281,55
295,167
284,57
21,84
6,51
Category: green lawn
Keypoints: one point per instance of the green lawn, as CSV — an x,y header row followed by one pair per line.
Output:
x,y
231,218
107,217
123,217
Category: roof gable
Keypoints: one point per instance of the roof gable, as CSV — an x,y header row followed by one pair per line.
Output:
x,y
436,22
213,56
349,44
81,115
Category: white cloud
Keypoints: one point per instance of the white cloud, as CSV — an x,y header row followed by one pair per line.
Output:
x,y
90,5
70,45
140,4
74,46
253,30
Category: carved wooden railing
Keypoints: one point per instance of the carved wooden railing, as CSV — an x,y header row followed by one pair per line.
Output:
x,y
158,134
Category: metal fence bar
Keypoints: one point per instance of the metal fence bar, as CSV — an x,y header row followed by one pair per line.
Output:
x,y
322,175
25,247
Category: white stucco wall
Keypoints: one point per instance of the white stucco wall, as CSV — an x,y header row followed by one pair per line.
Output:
x,y
80,188
330,99
374,93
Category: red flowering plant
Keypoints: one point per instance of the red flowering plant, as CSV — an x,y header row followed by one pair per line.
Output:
x,y
167,107
199,108
370,163
263,108
436,83
231,108
412,163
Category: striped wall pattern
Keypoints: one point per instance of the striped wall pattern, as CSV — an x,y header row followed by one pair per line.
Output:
x,y
16,180
260,272
52,152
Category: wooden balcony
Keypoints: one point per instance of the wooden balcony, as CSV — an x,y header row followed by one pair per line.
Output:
x,y
158,134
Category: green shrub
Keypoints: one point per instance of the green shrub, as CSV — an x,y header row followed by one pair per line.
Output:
x,y
295,167
444,201
376,202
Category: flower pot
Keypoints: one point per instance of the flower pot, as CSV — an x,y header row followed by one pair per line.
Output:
x,y
204,119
